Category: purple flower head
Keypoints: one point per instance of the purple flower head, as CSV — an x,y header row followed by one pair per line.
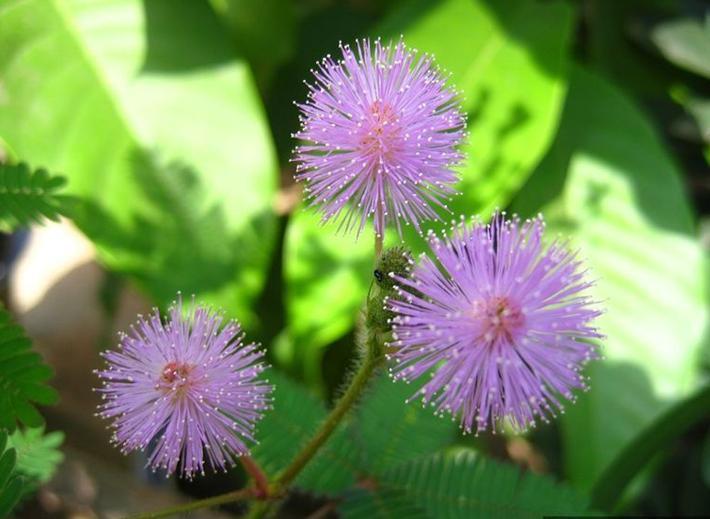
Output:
x,y
381,132
502,324
186,389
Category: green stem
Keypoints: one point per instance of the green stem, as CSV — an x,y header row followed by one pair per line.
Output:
x,y
266,493
261,508
357,385
379,239
261,482
373,357
229,497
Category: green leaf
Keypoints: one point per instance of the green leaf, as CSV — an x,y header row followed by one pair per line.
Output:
x,y
616,46
378,504
161,133
8,458
328,275
285,430
38,454
685,42
460,484
609,184
22,377
512,70
11,484
665,429
10,495
264,30
28,196
705,461
699,109
391,431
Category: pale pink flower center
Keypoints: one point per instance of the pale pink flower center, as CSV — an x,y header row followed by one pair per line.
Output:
x,y
177,377
381,136
500,319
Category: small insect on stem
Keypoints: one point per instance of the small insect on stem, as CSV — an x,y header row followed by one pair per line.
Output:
x,y
379,276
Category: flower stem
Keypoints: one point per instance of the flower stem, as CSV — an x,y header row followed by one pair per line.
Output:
x,y
357,385
229,497
261,482
378,247
267,495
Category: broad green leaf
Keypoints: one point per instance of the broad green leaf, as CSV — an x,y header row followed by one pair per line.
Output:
x,y
328,275
285,430
391,431
512,70
609,184
634,457
616,46
23,377
38,454
460,484
264,30
685,42
144,108
28,196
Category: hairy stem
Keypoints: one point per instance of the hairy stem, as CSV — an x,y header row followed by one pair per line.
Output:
x,y
357,385
378,247
373,358
269,494
261,482
229,497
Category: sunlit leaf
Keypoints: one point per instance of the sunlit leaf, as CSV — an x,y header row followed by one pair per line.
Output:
x,y
143,106
609,184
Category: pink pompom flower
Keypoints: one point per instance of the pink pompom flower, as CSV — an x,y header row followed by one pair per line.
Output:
x,y
186,389
381,133
500,323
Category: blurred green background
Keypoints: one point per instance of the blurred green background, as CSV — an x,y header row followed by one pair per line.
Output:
x,y
171,120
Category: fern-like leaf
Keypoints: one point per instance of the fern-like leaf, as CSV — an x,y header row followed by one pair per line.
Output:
x,y
38,454
284,430
379,504
461,484
11,483
22,377
389,431
28,196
